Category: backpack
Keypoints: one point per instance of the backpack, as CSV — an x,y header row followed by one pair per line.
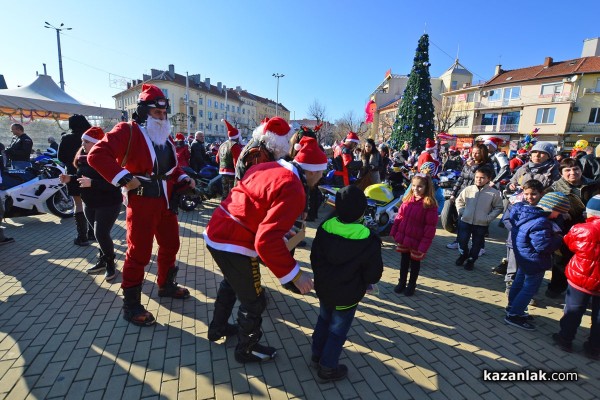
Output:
x,y
253,153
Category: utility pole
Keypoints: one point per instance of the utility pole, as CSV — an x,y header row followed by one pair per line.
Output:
x,y
60,68
276,75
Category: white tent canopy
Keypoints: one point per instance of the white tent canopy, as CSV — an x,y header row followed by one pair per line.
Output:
x,y
44,99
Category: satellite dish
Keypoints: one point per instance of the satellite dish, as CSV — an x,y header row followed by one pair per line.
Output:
x,y
574,78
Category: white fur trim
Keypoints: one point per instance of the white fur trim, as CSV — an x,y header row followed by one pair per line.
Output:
x,y
230,248
115,180
313,167
353,140
234,137
297,146
291,275
89,138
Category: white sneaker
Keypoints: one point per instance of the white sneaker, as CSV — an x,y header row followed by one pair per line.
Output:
x,y
453,245
481,252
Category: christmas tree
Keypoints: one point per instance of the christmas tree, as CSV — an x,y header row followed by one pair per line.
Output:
x,y
414,121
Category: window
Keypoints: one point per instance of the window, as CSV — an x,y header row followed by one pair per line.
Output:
x,y
222,106
200,126
216,104
453,85
209,103
510,118
210,115
201,113
545,116
166,92
470,97
594,116
512,93
462,121
244,111
489,119
551,89
217,116
495,95
209,126
200,100
227,107
238,110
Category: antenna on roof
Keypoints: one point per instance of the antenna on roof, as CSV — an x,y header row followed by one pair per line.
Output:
x,y
425,28
457,51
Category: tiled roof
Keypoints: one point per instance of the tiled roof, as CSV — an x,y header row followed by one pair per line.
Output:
x,y
556,69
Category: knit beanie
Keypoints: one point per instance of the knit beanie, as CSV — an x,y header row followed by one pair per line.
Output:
x,y
555,201
350,203
545,147
592,208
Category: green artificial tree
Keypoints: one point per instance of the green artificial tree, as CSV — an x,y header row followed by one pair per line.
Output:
x,y
414,121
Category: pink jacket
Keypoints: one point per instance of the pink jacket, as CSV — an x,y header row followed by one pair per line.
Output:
x,y
414,226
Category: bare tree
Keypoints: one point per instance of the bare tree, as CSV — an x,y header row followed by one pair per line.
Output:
x,y
386,121
446,116
318,112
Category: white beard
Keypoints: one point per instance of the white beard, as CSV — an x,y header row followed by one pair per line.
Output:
x,y
158,130
279,145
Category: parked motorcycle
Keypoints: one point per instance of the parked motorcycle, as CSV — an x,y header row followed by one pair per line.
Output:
x,y
208,186
36,190
447,179
383,201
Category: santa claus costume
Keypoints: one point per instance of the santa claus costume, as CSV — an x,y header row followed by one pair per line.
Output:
x,y
343,160
251,223
427,156
227,157
143,150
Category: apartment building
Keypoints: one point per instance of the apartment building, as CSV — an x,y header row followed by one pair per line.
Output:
x,y
196,104
561,100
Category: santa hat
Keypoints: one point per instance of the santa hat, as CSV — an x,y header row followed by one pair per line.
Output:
x,y
310,157
232,131
152,96
352,137
493,141
278,126
429,144
179,136
522,151
93,135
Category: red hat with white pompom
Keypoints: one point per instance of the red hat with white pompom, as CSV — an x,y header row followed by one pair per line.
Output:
x,y
310,157
493,141
352,137
429,144
232,131
93,135
278,126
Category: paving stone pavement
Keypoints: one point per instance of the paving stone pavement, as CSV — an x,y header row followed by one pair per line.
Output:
x,y
62,335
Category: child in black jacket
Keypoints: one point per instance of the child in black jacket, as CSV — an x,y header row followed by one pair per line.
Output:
x,y
346,259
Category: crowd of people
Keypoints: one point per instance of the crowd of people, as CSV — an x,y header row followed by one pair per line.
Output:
x,y
269,192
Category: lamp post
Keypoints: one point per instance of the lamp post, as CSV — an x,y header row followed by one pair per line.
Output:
x,y
276,75
58,30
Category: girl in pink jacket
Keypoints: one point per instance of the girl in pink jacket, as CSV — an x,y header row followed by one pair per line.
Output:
x,y
414,229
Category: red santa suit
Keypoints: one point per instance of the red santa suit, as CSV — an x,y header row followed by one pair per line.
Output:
x,y
256,216
147,217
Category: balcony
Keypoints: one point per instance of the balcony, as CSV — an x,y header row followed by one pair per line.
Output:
x,y
508,128
591,128
558,98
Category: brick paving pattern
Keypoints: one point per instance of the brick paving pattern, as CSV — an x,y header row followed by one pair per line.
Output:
x,y
62,335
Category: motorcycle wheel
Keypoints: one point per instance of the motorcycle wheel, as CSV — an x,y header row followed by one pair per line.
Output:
x,y
449,217
61,204
187,203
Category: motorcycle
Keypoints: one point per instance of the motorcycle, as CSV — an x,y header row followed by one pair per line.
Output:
x,y
208,186
383,201
36,190
447,179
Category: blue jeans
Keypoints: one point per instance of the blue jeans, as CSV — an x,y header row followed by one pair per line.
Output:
x,y
524,287
474,232
330,334
576,303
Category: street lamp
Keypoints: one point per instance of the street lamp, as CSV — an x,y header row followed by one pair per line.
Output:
x,y
276,75
58,30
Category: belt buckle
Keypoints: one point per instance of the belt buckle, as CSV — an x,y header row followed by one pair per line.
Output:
x,y
140,191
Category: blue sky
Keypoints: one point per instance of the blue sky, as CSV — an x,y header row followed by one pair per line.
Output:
x,y
335,52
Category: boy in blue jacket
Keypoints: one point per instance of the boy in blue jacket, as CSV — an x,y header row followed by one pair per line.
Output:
x,y
346,259
534,238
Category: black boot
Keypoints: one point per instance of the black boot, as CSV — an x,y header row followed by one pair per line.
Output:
x,y
171,289
332,374
133,310
410,289
248,349
219,326
111,269
90,234
100,265
82,225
